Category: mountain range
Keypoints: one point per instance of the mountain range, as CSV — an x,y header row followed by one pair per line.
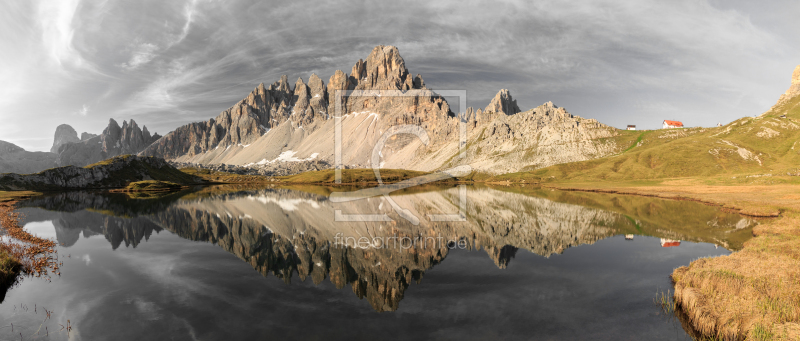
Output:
x,y
278,123
296,123
70,150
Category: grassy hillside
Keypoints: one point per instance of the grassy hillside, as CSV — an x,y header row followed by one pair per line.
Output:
x,y
764,146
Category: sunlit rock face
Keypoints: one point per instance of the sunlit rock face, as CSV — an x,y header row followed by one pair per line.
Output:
x,y
295,123
289,233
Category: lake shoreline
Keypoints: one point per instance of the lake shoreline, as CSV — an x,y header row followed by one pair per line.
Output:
x,y
36,257
750,293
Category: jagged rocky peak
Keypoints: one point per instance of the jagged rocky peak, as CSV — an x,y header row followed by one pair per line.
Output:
x,y
319,96
503,103
114,140
383,69
302,97
794,89
64,134
282,85
792,92
110,136
128,139
310,100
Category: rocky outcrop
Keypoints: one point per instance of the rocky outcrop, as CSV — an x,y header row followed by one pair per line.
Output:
x,y
15,159
783,105
87,136
537,138
64,134
794,88
112,173
503,103
113,141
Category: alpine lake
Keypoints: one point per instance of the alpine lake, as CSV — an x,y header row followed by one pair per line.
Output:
x,y
445,262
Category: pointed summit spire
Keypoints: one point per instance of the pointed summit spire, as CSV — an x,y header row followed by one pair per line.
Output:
x,y
503,103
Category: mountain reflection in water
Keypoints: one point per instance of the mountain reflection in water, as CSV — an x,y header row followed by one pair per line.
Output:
x,y
287,232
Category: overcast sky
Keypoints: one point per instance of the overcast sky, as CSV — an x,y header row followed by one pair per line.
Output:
x,y
168,63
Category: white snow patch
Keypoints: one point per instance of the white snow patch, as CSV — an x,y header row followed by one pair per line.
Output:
x,y
288,156
285,204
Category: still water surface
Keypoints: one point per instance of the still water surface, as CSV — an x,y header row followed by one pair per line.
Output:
x,y
223,263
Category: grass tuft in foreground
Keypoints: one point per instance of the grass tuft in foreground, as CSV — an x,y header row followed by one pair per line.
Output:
x,y
10,268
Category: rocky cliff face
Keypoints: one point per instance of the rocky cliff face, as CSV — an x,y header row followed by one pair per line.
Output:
x,y
783,106
113,141
794,88
503,103
537,138
64,134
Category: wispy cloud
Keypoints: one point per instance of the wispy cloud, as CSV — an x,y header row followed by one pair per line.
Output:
x,y
83,111
173,62
56,21
143,54
189,12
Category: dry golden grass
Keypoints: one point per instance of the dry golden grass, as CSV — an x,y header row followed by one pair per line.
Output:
x,y
752,294
6,196
226,178
36,255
